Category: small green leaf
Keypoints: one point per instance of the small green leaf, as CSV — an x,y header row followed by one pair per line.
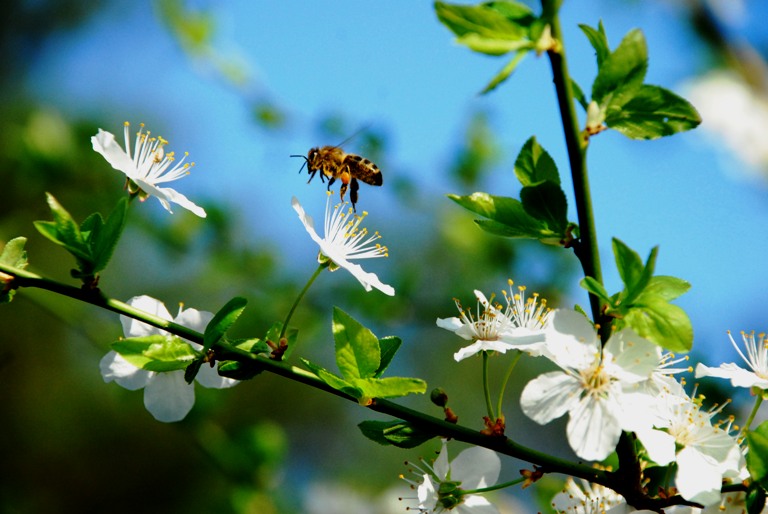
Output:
x,y
224,318
388,346
757,456
493,31
505,72
66,228
239,370
103,244
637,288
653,112
599,41
396,433
578,95
621,73
534,165
628,263
390,387
596,288
333,381
14,254
357,349
666,287
156,353
660,322
546,202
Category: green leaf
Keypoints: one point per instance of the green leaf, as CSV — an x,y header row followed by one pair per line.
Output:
x,y
534,165
334,381
388,347
637,288
546,202
222,320
505,72
156,353
104,242
485,29
14,254
390,387
596,288
599,41
396,433
653,112
757,456
357,349
239,370
660,322
578,95
665,287
628,262
621,73
508,217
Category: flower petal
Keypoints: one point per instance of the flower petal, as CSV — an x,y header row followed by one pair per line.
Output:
x,y
114,367
476,504
194,319
168,397
479,346
571,340
135,328
166,194
699,478
593,430
210,378
476,467
738,376
549,396
105,144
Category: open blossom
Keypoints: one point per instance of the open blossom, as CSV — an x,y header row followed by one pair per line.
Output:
x,y
705,454
587,498
344,241
519,326
756,359
447,486
148,166
595,387
167,396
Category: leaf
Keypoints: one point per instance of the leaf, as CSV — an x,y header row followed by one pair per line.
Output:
x,y
14,254
388,347
156,353
628,263
578,95
485,29
622,72
596,288
505,72
599,41
332,380
390,387
653,112
666,287
534,165
66,229
357,350
660,322
104,242
757,456
635,289
222,320
546,202
239,370
396,433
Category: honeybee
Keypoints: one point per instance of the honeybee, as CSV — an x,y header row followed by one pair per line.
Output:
x,y
335,163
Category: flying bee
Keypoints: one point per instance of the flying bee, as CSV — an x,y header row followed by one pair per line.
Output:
x,y
335,163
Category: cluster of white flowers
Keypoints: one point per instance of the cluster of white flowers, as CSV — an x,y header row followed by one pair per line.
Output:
x,y
624,385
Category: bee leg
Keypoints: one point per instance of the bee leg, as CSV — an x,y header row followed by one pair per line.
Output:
x,y
312,175
353,193
343,190
330,182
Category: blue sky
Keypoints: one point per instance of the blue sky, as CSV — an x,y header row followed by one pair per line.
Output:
x,y
397,69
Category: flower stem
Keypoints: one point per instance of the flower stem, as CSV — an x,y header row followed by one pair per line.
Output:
x,y
758,402
487,388
515,359
320,268
586,247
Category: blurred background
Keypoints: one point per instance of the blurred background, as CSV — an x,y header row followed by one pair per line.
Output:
x,y
243,85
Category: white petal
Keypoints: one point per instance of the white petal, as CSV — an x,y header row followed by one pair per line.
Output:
x,y
135,328
659,445
698,479
105,144
194,319
593,430
549,396
475,468
738,376
168,397
114,367
210,378
632,358
476,504
571,339
368,280
307,221
479,346
452,324
441,465
169,194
